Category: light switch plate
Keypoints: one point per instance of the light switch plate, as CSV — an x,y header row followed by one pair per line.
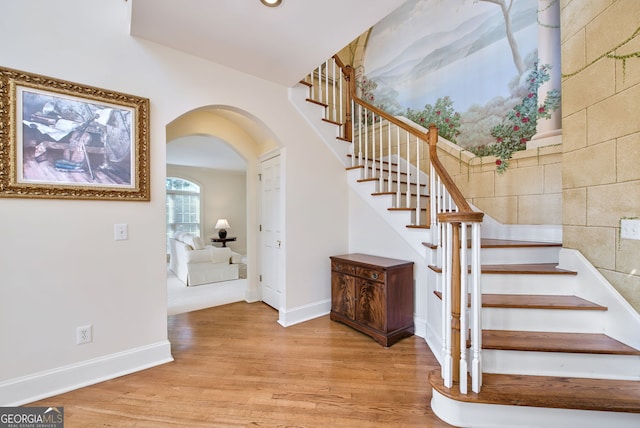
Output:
x,y
121,232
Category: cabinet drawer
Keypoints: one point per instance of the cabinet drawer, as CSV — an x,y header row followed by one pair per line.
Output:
x,y
343,267
372,274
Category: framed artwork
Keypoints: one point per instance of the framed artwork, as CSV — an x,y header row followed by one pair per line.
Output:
x,y
65,140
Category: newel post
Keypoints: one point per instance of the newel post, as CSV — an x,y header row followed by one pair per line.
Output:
x,y
349,76
432,138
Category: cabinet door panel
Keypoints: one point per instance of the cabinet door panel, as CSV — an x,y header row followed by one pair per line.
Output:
x,y
370,309
342,291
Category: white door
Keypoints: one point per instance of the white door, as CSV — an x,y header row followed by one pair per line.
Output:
x,y
270,223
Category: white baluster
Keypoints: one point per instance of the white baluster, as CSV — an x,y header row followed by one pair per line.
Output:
x,y
359,118
353,133
448,359
408,197
381,182
366,143
432,205
313,87
418,216
445,302
342,114
398,194
476,305
373,146
463,308
319,94
326,84
390,174
333,86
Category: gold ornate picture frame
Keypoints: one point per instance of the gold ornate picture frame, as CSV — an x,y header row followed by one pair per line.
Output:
x,y
64,140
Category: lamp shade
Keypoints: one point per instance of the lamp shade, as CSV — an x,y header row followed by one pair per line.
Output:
x,y
222,224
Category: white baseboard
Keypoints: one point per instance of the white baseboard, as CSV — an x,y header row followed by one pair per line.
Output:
x,y
289,317
27,389
420,325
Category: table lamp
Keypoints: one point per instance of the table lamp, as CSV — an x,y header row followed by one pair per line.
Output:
x,y
222,224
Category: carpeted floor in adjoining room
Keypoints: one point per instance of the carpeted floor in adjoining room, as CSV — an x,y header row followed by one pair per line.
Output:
x,y
181,298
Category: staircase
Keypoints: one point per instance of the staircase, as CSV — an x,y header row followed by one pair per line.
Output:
x,y
546,360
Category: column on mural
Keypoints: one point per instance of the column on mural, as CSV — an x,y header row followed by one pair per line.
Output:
x,y
549,53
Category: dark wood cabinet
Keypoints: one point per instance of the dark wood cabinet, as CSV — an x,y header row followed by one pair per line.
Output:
x,y
374,295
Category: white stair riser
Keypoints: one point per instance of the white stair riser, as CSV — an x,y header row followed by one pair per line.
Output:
x,y
494,256
528,284
550,320
410,217
597,366
424,201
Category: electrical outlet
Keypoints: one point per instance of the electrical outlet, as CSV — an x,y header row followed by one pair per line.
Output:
x,y
84,334
630,229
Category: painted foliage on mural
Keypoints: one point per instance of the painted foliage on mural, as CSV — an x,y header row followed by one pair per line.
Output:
x,y
469,66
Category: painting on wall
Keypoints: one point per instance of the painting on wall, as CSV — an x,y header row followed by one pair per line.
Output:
x,y
472,67
64,140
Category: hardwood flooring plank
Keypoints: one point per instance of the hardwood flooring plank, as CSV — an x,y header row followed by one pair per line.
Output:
x,y
235,366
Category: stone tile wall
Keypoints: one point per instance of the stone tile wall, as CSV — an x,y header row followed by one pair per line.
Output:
x,y
601,135
529,192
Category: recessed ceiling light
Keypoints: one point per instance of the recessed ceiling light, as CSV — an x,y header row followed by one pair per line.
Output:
x,y
271,3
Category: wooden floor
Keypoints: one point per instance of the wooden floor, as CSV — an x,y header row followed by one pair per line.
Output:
x,y
236,367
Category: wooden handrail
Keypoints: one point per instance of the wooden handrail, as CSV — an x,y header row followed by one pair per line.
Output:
x,y
354,96
465,213
449,184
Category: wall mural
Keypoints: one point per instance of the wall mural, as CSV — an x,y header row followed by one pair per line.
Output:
x,y
472,67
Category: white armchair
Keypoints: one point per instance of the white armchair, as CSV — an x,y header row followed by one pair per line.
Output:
x,y
196,264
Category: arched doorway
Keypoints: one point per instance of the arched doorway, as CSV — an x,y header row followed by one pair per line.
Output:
x,y
231,132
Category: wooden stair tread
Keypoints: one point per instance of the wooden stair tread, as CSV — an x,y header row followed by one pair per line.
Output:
x,y
403,194
333,122
523,268
394,163
320,103
505,243
533,301
405,209
590,343
527,268
538,302
363,180
549,391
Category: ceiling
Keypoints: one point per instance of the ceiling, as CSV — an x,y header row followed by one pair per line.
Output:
x,y
281,44
204,152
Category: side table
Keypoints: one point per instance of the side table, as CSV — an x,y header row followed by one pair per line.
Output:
x,y
223,240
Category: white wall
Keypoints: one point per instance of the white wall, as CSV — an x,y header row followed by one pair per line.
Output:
x,y
59,265
371,234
